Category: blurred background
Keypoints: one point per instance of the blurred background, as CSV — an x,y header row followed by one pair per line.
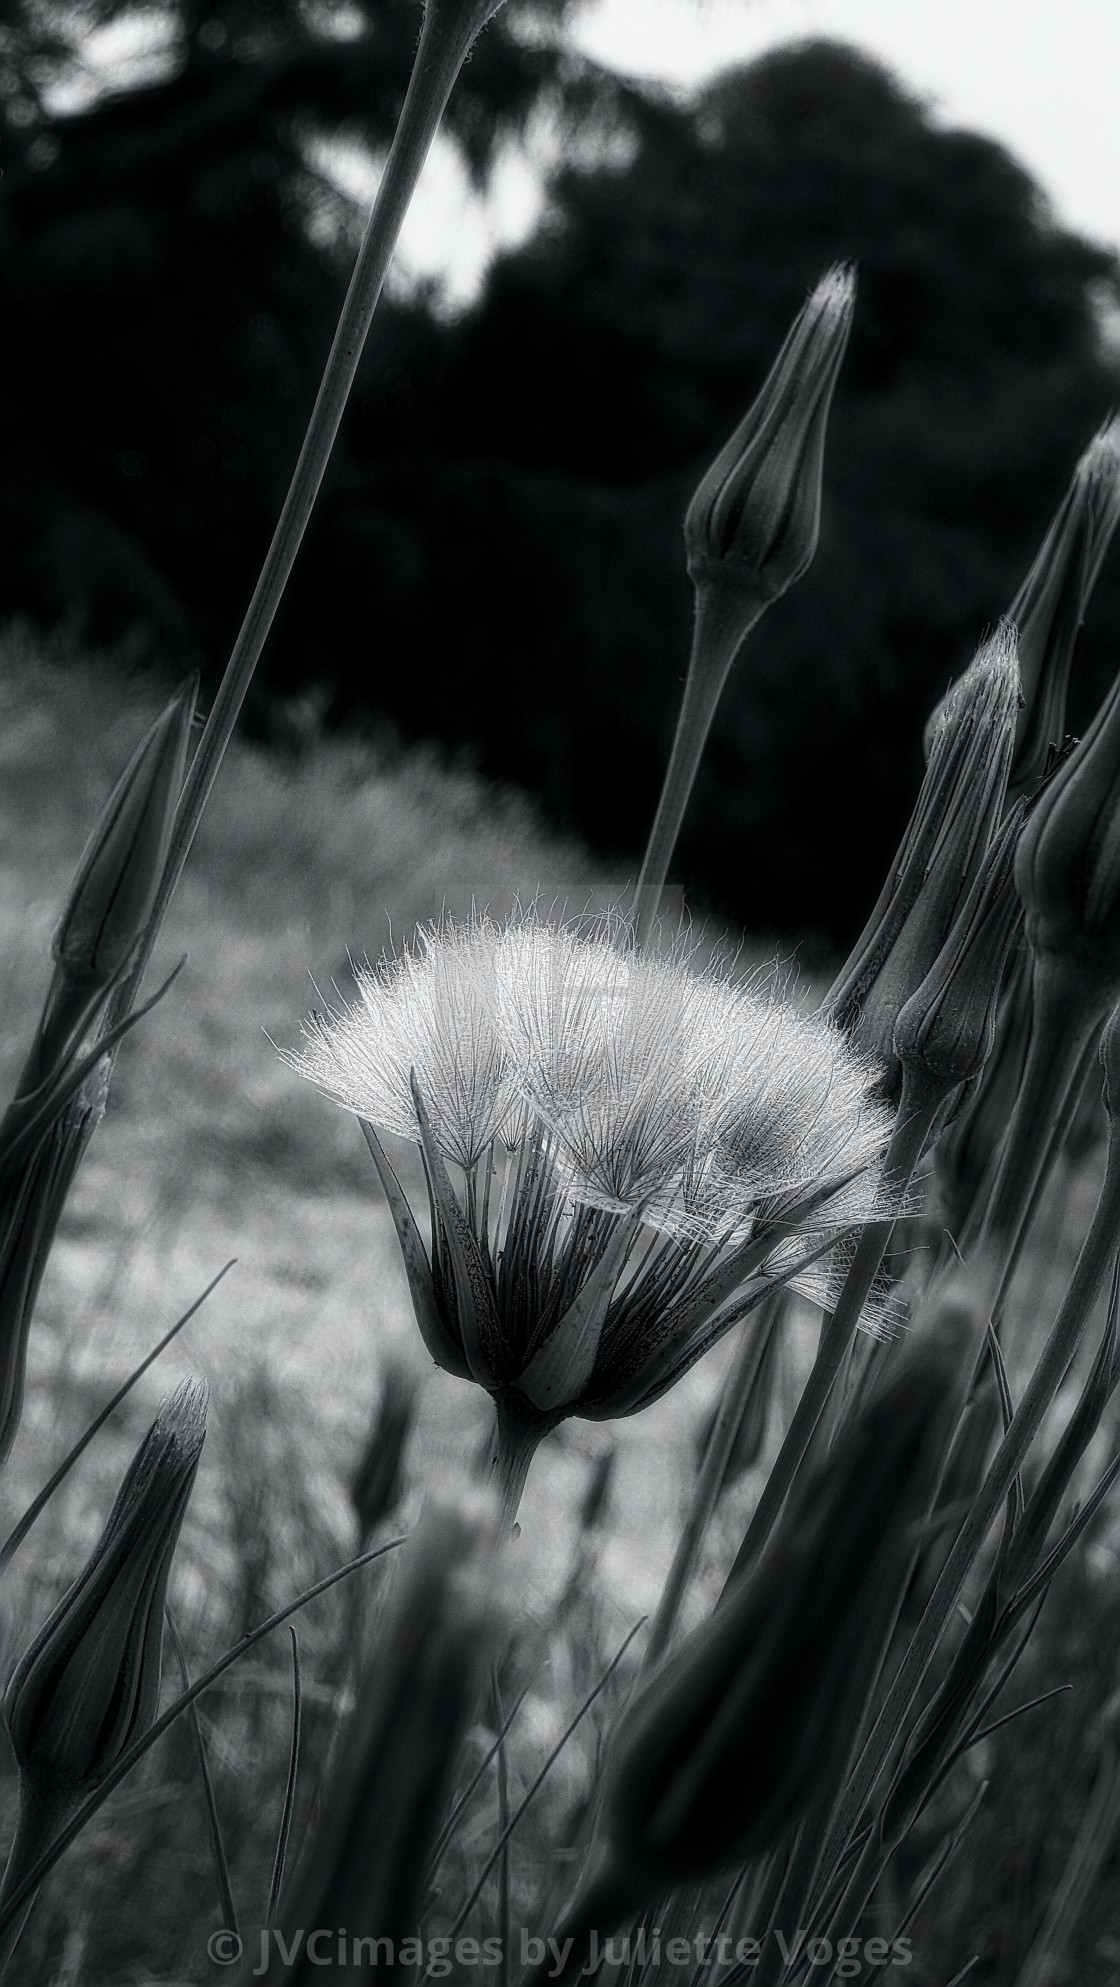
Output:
x,y
630,203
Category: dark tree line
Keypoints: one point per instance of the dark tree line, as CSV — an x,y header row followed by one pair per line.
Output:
x,y
496,560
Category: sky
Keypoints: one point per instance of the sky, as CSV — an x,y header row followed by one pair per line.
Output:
x,y
1042,76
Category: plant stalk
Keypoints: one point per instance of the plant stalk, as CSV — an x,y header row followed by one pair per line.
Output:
x,y
916,1113
717,635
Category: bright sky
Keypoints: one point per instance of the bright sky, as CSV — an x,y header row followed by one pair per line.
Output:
x,y
1043,76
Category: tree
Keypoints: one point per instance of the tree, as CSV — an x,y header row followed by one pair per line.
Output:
x,y
496,557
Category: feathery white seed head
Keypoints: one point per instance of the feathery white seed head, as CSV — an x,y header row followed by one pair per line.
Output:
x,y
662,1088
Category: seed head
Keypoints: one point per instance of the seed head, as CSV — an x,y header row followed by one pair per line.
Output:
x,y
89,1684
635,1142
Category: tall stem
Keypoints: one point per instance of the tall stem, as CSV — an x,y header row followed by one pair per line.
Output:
x,y
912,1124
1065,1013
37,1822
1065,1336
450,27
720,626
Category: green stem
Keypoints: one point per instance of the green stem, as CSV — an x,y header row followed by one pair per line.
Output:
x,y
517,1434
741,1378
1065,1336
720,627
39,1818
1066,1010
912,1124
450,28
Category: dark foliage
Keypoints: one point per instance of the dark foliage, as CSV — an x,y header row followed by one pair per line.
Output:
x,y
497,558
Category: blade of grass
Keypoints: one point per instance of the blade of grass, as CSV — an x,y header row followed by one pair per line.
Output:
x,y
281,1855
221,1861
550,1762
38,1504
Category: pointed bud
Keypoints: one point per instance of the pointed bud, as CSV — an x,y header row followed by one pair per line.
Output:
x,y
944,1032
366,1857
89,1684
757,511
114,891
1068,865
942,851
378,1479
1050,605
718,1755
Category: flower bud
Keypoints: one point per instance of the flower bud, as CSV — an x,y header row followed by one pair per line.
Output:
x,y
115,886
1050,605
366,1858
376,1489
89,1684
114,890
942,851
719,1754
756,513
945,1031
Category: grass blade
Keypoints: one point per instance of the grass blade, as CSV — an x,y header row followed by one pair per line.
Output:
x,y
281,1855
221,1862
38,1504
540,1779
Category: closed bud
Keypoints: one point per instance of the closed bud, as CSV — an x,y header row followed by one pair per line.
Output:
x,y
114,891
1068,865
942,852
376,1488
721,1751
89,1684
365,1860
944,1033
756,514
1050,605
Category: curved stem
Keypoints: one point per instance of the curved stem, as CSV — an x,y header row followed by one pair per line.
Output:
x,y
912,1124
722,622
450,27
1065,1335
1065,1013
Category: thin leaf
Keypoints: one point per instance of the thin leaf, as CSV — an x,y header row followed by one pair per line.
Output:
x,y
449,1826
539,1781
39,1120
281,1855
38,1504
221,1863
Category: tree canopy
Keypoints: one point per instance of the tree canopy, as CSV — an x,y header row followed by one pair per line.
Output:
x,y
496,559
